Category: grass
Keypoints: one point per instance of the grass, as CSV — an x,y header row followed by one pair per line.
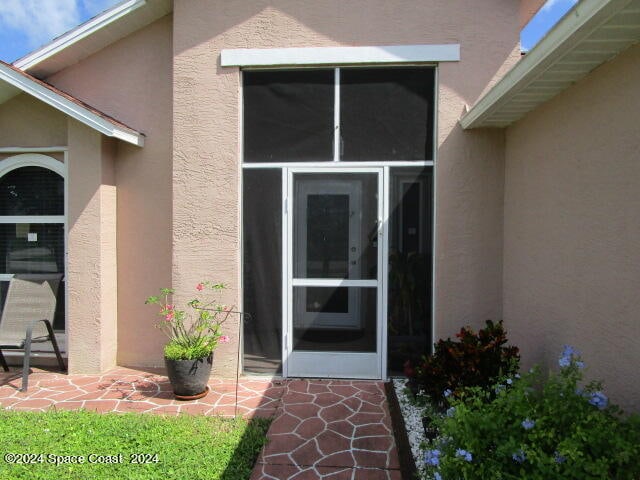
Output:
x,y
181,447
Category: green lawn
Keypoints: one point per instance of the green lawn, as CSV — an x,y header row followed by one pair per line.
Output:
x,y
139,446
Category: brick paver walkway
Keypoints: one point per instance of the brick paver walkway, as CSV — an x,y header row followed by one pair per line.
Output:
x,y
330,429
322,429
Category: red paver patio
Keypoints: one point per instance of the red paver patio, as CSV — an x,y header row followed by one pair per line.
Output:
x,y
127,390
322,429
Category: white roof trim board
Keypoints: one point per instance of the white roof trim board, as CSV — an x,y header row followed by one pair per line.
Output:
x,y
246,57
82,114
593,32
73,36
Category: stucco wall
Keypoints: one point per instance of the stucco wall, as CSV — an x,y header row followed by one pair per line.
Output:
x,y
132,81
27,122
206,133
572,235
91,261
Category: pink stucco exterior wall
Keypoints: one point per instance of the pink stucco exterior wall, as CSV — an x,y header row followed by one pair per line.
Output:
x,y
91,258
132,81
571,231
27,122
206,126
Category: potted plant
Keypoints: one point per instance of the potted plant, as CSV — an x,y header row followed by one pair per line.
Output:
x,y
193,336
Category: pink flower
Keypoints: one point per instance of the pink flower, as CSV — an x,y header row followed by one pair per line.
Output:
x,y
224,339
170,307
200,287
169,316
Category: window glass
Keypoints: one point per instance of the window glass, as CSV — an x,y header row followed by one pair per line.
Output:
x,y
288,115
386,114
31,191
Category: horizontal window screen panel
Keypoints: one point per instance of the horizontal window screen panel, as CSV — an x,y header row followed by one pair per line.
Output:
x,y
288,115
386,114
31,191
262,265
31,248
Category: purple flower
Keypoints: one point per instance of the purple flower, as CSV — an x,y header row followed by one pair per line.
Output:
x,y
568,355
437,476
509,381
517,375
598,399
559,458
464,454
580,365
432,457
447,393
451,411
519,456
528,424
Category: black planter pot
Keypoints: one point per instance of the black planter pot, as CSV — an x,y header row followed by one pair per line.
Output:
x,y
189,378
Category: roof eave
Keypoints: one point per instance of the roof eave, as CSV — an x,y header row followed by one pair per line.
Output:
x,y
70,108
580,22
77,34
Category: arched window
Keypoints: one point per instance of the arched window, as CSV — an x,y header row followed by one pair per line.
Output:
x,y
32,221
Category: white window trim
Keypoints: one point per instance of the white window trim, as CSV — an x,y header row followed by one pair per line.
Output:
x,y
397,54
44,161
32,160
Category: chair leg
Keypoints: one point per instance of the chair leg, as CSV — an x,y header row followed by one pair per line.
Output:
x,y
26,361
54,342
3,362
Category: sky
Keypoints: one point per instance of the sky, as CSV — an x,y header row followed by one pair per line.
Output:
x,y
26,25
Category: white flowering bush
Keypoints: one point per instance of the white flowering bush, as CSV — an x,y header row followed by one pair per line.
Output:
x,y
536,428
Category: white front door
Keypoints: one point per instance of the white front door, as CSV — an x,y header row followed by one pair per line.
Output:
x,y
332,264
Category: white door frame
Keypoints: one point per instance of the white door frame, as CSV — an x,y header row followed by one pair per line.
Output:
x,y
328,364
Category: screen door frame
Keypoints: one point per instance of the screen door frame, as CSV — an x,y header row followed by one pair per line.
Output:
x,y
369,365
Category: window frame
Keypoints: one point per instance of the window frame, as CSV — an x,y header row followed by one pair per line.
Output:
x,y
336,161
22,160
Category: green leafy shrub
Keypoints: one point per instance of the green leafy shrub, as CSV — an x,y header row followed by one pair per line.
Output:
x,y
529,428
194,334
475,360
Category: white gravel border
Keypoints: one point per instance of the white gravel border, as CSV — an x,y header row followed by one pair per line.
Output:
x,y
412,416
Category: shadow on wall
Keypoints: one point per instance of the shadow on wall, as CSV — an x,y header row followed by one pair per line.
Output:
x,y
469,229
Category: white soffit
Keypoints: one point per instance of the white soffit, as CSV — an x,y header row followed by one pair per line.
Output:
x,y
13,81
591,33
259,57
94,35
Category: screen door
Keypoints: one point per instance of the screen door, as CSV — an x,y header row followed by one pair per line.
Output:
x,y
334,229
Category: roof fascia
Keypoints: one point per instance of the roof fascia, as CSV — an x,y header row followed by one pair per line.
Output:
x,y
73,36
68,107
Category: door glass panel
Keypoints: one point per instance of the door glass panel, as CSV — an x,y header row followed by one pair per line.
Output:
x,y
335,226
334,319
